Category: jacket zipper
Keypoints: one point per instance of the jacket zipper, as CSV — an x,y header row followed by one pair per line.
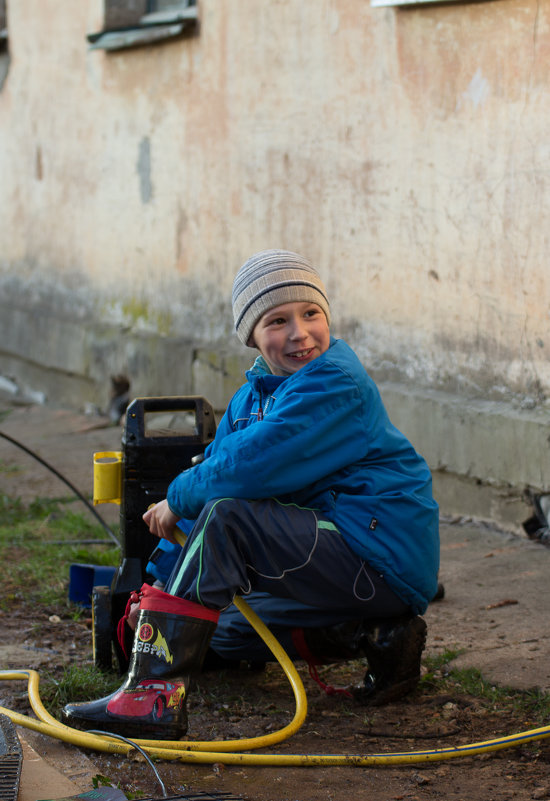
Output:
x,y
262,409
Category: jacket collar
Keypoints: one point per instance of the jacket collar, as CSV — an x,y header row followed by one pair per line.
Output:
x,y
261,379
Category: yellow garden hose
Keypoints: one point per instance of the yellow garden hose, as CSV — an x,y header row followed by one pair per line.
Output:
x,y
229,752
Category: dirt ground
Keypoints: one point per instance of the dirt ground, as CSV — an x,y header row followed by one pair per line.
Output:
x,y
495,611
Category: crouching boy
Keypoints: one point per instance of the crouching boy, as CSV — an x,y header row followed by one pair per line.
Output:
x,y
309,502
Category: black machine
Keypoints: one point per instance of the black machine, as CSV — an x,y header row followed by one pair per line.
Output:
x,y
162,436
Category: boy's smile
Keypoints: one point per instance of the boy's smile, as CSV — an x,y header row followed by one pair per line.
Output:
x,y
291,335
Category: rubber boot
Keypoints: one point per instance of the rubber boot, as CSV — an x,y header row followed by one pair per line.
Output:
x,y
170,643
392,647
393,650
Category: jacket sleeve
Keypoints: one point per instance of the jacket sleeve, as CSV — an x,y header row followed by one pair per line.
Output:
x,y
317,427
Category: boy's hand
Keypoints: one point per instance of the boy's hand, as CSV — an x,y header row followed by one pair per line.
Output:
x,y
161,521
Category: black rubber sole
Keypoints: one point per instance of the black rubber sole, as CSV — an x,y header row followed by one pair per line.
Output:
x,y
132,729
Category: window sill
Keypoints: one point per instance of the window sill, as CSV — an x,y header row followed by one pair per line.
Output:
x,y
152,28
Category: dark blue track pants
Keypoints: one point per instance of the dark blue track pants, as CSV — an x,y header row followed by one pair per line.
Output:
x,y
294,568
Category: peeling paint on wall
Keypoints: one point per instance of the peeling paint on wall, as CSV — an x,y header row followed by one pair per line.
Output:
x,y
143,169
39,172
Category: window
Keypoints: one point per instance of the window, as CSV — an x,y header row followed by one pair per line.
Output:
x,y
131,23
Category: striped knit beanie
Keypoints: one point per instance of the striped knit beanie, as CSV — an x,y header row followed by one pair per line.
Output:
x,y
271,278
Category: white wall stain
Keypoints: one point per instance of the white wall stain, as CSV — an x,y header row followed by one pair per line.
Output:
x,y
477,92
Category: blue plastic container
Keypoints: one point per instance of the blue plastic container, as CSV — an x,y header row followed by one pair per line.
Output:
x,y
83,578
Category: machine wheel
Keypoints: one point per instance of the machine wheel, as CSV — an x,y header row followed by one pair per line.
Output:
x,y
102,650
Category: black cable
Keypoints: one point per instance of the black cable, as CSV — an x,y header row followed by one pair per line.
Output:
x,y
143,753
66,481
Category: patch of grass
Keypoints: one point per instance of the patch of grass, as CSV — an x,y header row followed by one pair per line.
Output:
x,y
78,683
534,705
9,468
103,781
39,541
437,664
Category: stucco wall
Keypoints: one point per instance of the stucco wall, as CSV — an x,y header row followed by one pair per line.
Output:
x,y
405,151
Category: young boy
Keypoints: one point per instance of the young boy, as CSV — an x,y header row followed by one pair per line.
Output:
x,y
309,502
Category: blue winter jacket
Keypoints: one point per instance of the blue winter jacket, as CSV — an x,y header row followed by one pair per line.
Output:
x,y
323,440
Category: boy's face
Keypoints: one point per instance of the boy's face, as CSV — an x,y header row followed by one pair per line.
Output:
x,y
291,335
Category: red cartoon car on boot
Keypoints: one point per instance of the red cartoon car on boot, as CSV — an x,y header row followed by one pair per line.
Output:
x,y
149,697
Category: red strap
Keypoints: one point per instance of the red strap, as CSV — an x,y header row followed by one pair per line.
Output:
x,y
133,599
299,642
327,688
